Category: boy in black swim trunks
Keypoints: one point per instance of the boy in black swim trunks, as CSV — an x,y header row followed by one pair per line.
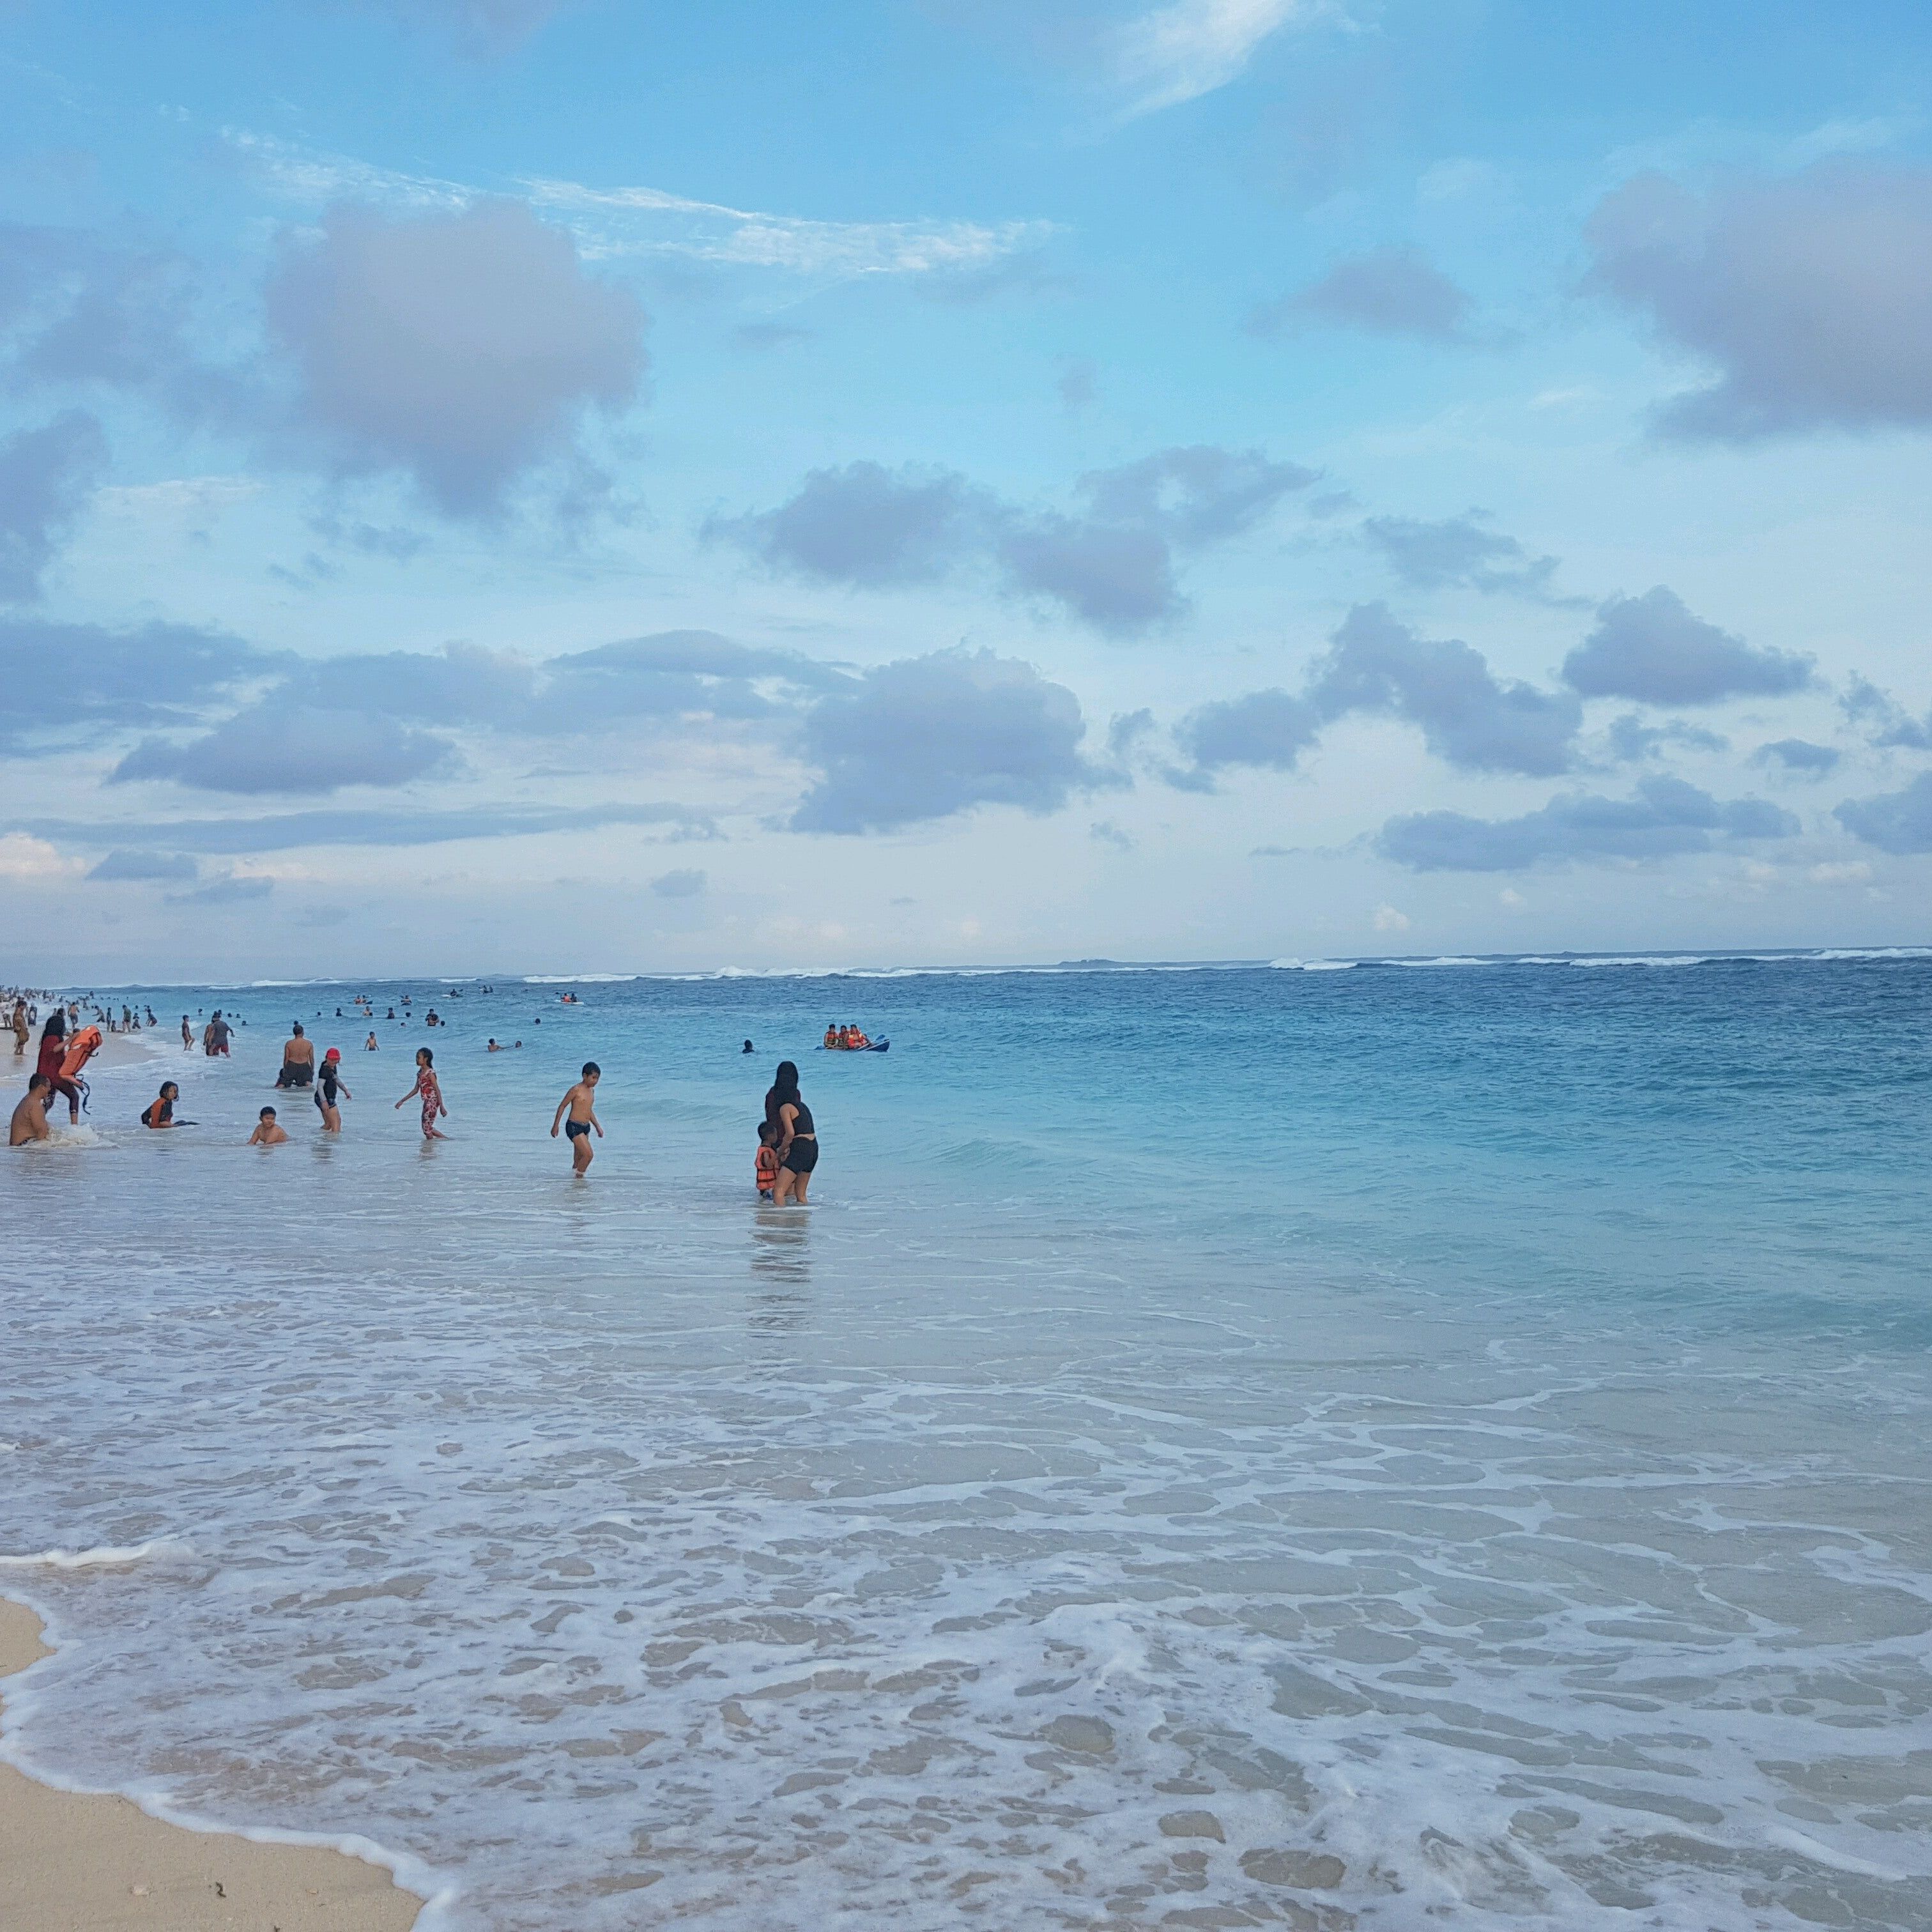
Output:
x,y
582,1101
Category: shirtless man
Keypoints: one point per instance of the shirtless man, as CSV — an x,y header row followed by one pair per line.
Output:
x,y
30,1117
582,1101
298,1060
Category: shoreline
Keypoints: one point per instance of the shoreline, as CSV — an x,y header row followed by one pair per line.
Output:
x,y
77,1860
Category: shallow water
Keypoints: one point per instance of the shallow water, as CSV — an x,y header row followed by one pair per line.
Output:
x,y
1352,1447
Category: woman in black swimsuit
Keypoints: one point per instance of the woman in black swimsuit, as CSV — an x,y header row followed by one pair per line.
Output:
x,y
797,1137
330,1092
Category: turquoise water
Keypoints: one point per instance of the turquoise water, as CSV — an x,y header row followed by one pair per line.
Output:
x,y
1398,1445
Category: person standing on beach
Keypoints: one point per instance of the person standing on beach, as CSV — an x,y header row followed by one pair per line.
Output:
x,y
431,1093
23,1029
582,1101
188,1035
30,1116
214,1041
798,1136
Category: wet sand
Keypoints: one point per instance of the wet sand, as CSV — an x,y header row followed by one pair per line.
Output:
x,y
96,1863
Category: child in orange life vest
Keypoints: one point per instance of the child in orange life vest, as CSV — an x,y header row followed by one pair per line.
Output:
x,y
766,1169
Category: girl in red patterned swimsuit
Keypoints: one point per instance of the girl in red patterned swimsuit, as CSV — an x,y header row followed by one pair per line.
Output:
x,y
432,1095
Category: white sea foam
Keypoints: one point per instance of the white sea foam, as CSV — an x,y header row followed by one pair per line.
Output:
x,y
578,978
103,1556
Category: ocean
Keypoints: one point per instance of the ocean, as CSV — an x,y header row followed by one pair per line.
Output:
x,y
1435,1442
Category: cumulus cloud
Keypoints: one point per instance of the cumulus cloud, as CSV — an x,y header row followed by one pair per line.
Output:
x,y
1800,755
667,675
1467,715
1386,292
139,866
461,348
925,737
47,475
157,674
27,859
687,884
1666,818
1885,722
76,309
1267,728
1631,740
1893,821
279,747
1807,294
1458,552
867,525
1112,564
1654,650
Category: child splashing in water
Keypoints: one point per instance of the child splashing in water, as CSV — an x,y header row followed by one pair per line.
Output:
x,y
431,1093
582,1101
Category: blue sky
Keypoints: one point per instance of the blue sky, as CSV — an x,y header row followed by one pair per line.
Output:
x,y
487,484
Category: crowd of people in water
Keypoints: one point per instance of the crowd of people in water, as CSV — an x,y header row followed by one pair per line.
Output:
x,y
787,1148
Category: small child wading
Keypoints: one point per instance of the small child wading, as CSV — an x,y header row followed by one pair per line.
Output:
x,y
582,1101
766,1170
430,1092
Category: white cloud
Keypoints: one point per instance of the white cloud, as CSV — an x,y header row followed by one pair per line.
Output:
x,y
1839,872
1511,899
1386,919
1183,50
648,221
24,858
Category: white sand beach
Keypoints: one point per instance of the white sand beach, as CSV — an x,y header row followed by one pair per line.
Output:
x,y
74,1863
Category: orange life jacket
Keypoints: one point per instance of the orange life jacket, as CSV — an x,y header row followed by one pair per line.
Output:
x,y
767,1168
80,1050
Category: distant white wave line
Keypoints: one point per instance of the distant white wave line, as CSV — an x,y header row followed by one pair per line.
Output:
x,y
1795,956
103,1556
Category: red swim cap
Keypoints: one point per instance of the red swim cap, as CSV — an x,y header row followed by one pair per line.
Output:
x,y
333,1053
